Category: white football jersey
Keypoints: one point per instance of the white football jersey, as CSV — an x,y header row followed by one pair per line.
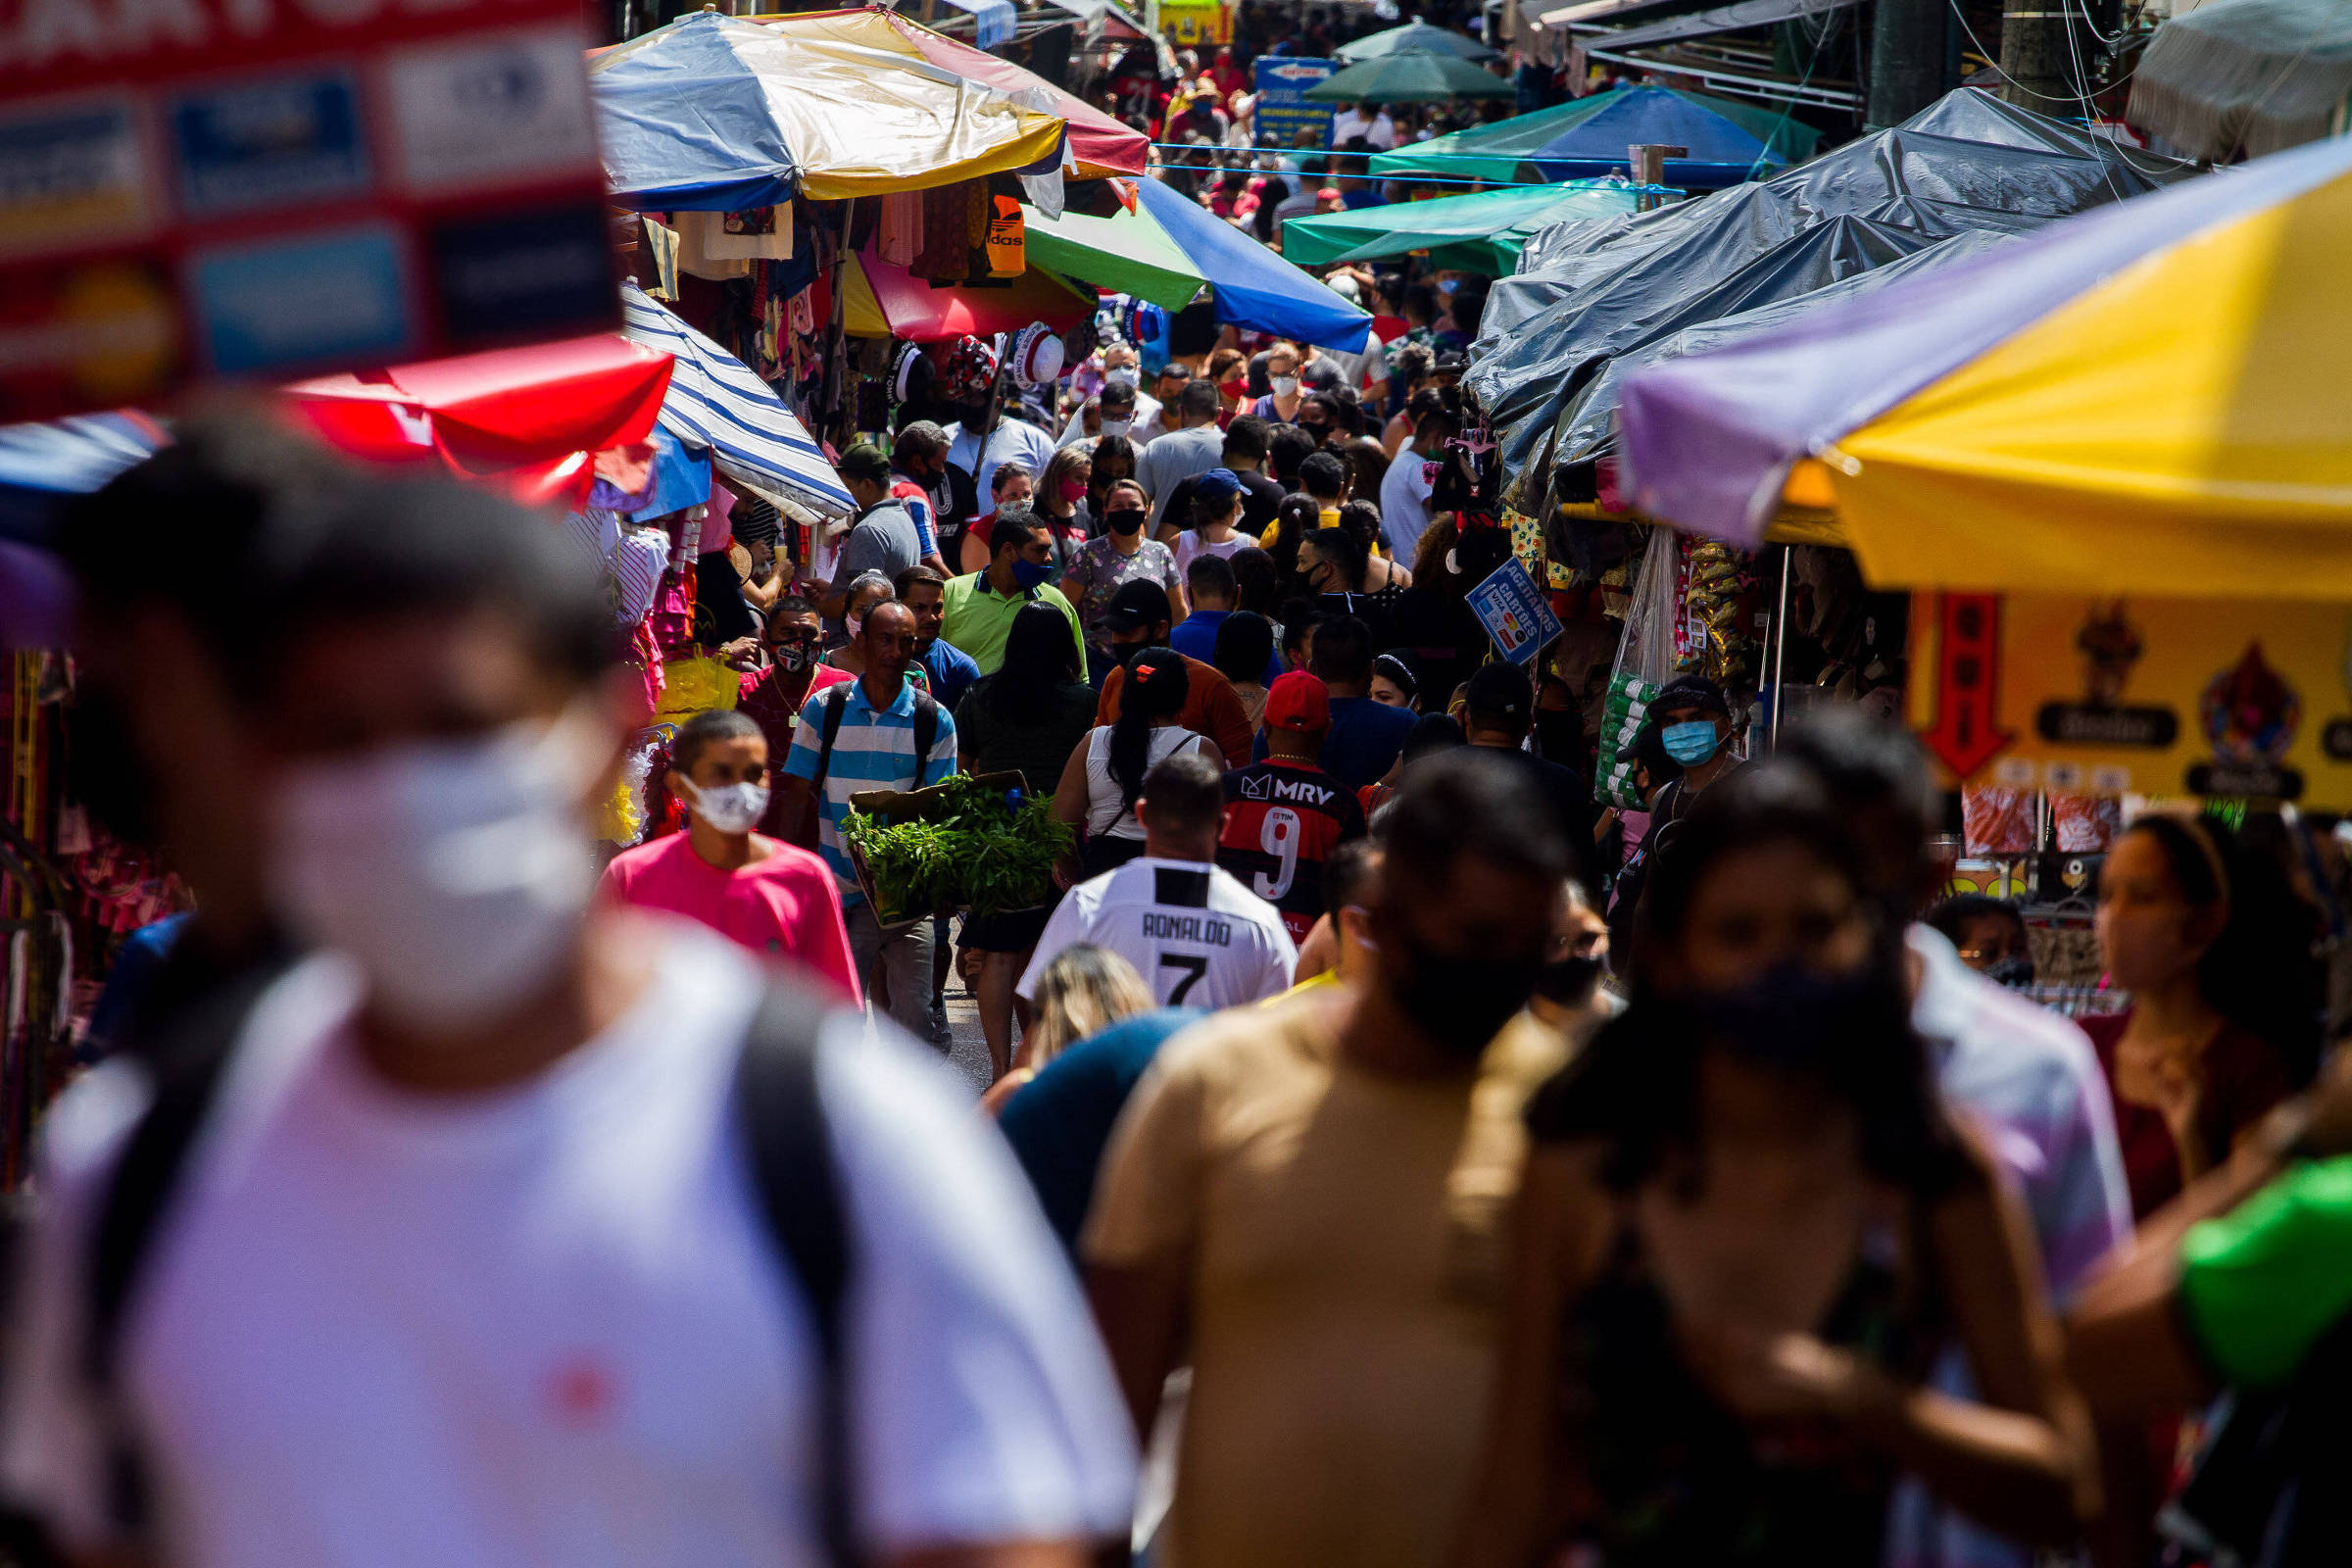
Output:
x,y
1197,937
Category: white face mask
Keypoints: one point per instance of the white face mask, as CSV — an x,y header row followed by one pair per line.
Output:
x,y
729,808
1117,427
1122,374
455,872
1282,385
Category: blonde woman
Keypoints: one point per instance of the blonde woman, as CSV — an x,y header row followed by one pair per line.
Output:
x,y
1083,991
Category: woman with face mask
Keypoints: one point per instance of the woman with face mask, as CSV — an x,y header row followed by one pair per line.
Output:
x,y
1683,747
1011,490
1060,500
1114,459
1748,1229
871,589
2214,950
772,898
1120,556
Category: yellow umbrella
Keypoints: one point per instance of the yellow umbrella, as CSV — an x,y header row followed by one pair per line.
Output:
x,y
719,114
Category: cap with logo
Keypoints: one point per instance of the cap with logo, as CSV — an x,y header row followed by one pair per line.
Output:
x,y
911,373
1137,602
1036,354
1298,701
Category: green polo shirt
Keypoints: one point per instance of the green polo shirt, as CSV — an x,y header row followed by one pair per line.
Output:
x,y
979,618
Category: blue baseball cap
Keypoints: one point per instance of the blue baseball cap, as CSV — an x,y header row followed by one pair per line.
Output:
x,y
1217,487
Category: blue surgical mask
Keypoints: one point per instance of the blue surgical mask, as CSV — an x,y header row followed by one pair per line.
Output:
x,y
1692,742
1031,573
1446,285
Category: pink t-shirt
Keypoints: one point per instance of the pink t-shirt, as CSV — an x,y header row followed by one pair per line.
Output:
x,y
785,906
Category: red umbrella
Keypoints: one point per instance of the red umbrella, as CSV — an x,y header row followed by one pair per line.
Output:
x,y
885,301
529,417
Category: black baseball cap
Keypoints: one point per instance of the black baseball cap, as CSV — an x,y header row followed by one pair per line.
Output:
x,y
1136,604
1501,691
1691,692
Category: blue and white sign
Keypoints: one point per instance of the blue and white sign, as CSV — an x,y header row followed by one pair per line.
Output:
x,y
1282,104
290,302
1514,613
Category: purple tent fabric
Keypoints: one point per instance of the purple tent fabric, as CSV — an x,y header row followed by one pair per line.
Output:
x,y
1709,441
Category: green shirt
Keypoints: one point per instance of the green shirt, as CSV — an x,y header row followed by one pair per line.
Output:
x,y
2262,1284
978,618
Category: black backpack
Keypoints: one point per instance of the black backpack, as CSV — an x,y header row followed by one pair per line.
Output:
x,y
836,699
785,1134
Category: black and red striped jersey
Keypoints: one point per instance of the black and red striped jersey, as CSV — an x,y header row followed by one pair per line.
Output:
x,y
1286,818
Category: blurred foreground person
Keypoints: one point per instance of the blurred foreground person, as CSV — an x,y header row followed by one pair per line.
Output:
x,y
1747,1230
2243,1287
509,1232
1305,1202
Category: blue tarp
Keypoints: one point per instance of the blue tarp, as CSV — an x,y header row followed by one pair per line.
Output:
x,y
1722,152
685,124
1254,287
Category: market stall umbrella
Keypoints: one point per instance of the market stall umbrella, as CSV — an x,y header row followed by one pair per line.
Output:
x,y
1414,39
1101,145
1590,136
1127,252
44,465
2143,399
2245,77
1479,232
880,300
718,114
528,418
1411,79
1254,287
715,401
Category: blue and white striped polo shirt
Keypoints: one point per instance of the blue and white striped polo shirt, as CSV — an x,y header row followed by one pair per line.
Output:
x,y
873,751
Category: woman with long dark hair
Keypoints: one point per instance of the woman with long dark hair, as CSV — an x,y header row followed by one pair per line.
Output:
x,y
1113,461
1029,717
1105,777
1748,1228
2215,948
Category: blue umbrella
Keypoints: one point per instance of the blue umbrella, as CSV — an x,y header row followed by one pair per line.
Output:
x,y
1254,287
42,466
1722,151
685,123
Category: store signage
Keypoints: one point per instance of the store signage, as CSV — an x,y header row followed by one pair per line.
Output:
x,y
1283,108
1514,613
202,189
2146,695
1191,27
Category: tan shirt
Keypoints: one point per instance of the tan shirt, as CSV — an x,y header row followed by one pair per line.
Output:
x,y
1345,1232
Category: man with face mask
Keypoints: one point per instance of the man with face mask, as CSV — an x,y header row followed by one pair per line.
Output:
x,y
772,698
1684,741
1139,617
918,472
481,1167
978,607
1298,1194
775,898
1118,410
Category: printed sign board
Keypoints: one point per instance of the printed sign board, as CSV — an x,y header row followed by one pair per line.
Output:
x,y
1195,27
2142,695
201,189
1282,103
1514,613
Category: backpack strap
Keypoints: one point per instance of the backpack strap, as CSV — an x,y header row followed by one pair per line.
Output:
x,y
785,1135
927,732
837,702
189,1063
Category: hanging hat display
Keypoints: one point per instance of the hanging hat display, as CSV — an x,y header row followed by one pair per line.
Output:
x,y
1143,322
971,371
1036,354
911,373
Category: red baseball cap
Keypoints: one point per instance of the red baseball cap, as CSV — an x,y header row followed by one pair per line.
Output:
x,y
1298,701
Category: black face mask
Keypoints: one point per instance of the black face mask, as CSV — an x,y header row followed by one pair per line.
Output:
x,y
1570,981
1458,1002
1126,521
1126,652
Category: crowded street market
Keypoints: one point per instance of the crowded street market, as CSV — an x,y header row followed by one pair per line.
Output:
x,y
1223,784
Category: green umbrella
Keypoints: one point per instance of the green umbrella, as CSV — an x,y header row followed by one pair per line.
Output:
x,y
1411,79
1414,39
1481,233
1128,253
1496,151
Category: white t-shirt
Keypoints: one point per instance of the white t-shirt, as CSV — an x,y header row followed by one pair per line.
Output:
x,y
544,1325
1190,546
1378,129
1197,937
1012,441
1403,505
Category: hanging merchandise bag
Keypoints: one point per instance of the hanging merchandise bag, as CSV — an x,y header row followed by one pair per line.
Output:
x,y
1646,658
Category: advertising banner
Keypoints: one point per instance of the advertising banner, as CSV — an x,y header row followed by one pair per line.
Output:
x,y
1513,613
1282,104
201,189
2145,696
1196,26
